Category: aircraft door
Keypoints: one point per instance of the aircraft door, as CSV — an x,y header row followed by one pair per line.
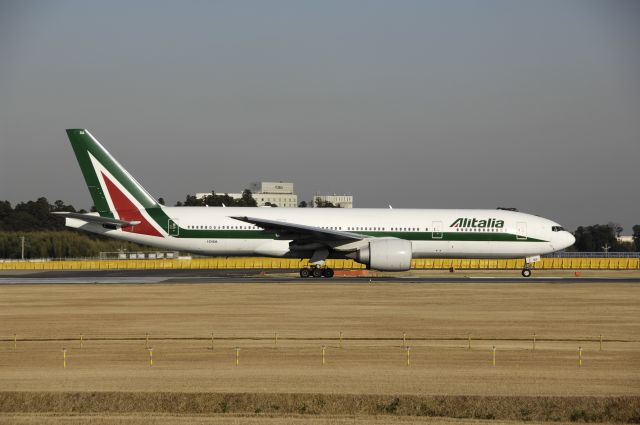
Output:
x,y
172,228
521,231
437,230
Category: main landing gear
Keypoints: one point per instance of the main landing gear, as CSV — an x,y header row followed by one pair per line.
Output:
x,y
315,271
317,265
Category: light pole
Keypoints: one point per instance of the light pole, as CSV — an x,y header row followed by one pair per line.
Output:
x,y
22,246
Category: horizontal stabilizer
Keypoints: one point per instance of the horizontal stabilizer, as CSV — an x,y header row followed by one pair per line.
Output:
x,y
90,218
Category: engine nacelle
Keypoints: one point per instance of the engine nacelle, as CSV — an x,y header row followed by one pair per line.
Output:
x,y
392,255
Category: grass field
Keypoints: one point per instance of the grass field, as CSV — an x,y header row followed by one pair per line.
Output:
x,y
371,360
248,420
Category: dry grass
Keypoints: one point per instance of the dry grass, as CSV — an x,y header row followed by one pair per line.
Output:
x,y
322,309
30,419
502,314
575,409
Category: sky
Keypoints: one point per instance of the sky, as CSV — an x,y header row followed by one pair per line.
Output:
x,y
415,104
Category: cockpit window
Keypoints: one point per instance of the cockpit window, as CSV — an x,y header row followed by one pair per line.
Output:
x,y
557,228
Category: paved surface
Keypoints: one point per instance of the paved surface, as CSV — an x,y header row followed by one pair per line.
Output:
x,y
274,276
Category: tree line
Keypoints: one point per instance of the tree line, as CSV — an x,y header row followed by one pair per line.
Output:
x,y
218,200
33,215
604,238
246,200
46,235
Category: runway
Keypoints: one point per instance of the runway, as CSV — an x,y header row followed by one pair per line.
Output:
x,y
275,276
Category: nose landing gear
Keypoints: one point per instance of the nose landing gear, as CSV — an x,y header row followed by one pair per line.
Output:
x,y
526,271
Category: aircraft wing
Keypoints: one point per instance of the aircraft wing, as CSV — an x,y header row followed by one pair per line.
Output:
x,y
284,230
97,219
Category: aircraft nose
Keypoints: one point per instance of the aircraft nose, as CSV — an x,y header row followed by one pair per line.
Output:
x,y
570,239
562,240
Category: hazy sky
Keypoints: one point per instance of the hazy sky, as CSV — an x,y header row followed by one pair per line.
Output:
x,y
425,104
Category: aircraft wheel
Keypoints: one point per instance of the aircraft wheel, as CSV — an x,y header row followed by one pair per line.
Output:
x,y
316,272
327,272
526,272
305,272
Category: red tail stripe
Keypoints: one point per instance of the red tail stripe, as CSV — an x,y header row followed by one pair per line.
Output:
x,y
128,211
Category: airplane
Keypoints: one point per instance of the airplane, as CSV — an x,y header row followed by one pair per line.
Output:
x,y
384,239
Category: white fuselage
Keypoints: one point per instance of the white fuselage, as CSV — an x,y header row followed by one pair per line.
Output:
x,y
432,232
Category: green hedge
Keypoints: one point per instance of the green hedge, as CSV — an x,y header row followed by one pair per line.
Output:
x,y
59,244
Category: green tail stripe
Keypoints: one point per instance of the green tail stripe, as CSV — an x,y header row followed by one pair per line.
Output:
x,y
83,145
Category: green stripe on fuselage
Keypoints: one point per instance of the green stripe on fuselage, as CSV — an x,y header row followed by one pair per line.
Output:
x,y
410,236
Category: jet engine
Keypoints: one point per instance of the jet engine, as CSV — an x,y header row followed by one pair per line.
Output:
x,y
392,255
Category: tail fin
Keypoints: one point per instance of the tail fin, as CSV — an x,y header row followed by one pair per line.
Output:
x,y
113,189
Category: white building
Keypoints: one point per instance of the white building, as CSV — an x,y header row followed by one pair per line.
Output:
x,y
280,194
272,187
625,239
342,201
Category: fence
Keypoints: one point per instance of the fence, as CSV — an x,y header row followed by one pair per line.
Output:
x,y
322,347
572,263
